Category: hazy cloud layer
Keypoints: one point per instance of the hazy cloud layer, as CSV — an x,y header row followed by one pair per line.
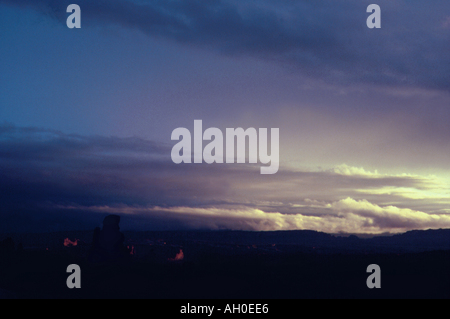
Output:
x,y
55,181
327,39
344,216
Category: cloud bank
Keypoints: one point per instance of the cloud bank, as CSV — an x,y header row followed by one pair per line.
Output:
x,y
326,40
53,181
344,216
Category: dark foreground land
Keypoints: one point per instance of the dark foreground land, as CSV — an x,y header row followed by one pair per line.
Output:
x,y
232,265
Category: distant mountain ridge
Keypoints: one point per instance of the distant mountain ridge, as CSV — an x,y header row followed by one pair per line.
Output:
x,y
411,241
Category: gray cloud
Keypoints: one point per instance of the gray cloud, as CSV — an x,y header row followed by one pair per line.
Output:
x,y
49,179
327,40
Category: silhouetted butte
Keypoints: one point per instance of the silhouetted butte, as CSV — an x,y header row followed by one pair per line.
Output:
x,y
107,244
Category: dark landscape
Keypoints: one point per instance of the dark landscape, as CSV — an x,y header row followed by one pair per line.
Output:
x,y
229,264
254,150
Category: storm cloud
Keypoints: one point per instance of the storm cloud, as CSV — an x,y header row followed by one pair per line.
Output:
x,y
62,181
326,40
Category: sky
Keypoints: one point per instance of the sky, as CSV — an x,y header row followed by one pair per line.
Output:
x,y
86,115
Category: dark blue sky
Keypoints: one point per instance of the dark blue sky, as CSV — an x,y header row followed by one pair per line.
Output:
x,y
86,114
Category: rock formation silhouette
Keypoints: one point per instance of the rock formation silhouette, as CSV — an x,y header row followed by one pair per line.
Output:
x,y
107,243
